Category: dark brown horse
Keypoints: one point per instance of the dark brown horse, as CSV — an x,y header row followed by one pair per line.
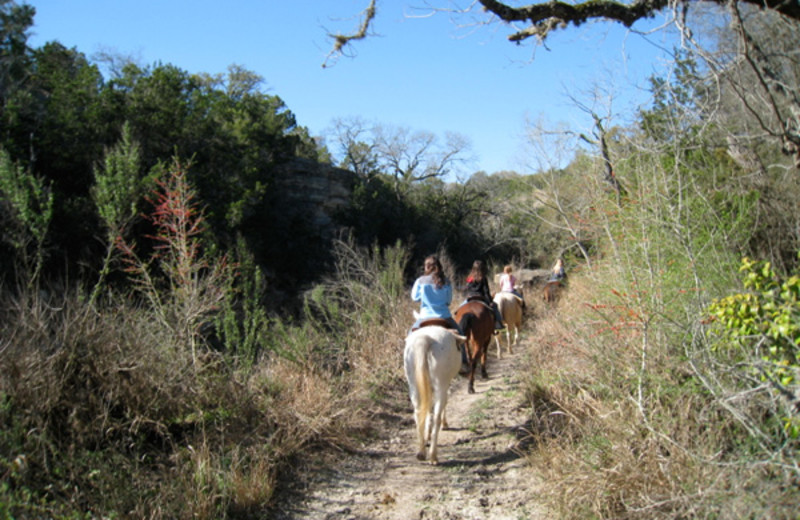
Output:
x,y
476,321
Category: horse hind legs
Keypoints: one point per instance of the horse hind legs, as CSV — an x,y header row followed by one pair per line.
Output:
x,y
422,420
438,419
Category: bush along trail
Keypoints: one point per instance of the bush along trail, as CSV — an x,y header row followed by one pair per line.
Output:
x,y
482,470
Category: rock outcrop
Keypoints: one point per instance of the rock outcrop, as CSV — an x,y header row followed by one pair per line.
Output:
x,y
316,192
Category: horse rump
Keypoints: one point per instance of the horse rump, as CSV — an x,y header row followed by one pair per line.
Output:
x,y
550,292
432,360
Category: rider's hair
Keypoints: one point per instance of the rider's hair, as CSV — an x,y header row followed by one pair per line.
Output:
x,y
433,267
507,269
478,271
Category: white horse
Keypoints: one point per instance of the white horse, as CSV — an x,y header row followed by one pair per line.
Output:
x,y
510,306
432,359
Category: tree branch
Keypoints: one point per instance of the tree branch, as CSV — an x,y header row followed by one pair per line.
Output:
x,y
556,14
550,15
547,16
341,40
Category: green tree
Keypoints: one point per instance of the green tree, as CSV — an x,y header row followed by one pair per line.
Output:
x,y
59,131
679,104
15,63
29,205
116,192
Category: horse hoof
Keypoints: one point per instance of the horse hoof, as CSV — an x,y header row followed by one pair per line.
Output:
x,y
420,456
471,390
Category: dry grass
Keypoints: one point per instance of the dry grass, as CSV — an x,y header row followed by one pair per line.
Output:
x,y
110,414
614,440
107,412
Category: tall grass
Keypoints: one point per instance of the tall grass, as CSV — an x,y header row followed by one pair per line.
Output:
x,y
365,312
634,415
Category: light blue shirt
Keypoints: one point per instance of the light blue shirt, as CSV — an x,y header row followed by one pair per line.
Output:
x,y
434,301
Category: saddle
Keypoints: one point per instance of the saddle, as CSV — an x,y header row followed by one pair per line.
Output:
x,y
476,299
441,322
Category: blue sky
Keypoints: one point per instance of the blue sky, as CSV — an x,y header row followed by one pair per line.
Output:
x,y
421,73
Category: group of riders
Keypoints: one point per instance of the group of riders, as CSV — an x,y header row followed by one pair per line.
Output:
x,y
434,292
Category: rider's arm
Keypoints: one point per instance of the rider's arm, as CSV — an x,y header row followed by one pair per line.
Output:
x,y
416,291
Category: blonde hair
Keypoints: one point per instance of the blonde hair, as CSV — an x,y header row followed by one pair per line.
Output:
x,y
507,269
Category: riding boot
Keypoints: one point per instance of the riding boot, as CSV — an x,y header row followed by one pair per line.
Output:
x,y
498,318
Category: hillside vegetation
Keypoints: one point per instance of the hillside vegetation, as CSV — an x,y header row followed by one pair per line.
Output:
x,y
167,352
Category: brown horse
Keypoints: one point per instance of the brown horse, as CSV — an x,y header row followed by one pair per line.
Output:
x,y
550,292
476,320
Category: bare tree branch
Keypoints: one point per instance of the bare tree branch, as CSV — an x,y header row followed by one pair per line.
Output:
x,y
547,16
341,40
555,14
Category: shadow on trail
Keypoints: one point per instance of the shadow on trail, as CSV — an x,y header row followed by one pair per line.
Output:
x,y
521,433
496,458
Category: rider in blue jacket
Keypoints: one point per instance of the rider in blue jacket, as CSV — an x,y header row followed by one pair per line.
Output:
x,y
434,293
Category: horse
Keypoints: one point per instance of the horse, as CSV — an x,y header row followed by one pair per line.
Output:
x,y
550,292
476,320
432,359
510,306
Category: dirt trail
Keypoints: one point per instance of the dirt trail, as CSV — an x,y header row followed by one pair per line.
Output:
x,y
481,472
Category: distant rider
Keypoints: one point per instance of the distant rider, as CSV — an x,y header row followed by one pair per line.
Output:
x,y
508,283
477,288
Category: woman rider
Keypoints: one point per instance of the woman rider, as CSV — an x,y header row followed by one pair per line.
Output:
x,y
477,288
434,293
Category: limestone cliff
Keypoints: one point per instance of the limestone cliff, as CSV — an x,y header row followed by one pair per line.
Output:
x,y
315,192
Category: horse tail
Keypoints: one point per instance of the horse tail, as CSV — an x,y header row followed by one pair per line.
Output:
x,y
422,374
466,324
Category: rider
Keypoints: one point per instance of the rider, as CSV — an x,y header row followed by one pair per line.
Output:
x,y
434,293
558,272
477,288
508,283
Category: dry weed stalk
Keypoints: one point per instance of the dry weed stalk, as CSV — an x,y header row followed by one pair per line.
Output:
x,y
195,280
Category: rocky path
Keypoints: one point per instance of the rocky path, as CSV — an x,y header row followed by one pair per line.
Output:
x,y
482,472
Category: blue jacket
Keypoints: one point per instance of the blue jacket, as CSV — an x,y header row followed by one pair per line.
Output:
x,y
434,301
